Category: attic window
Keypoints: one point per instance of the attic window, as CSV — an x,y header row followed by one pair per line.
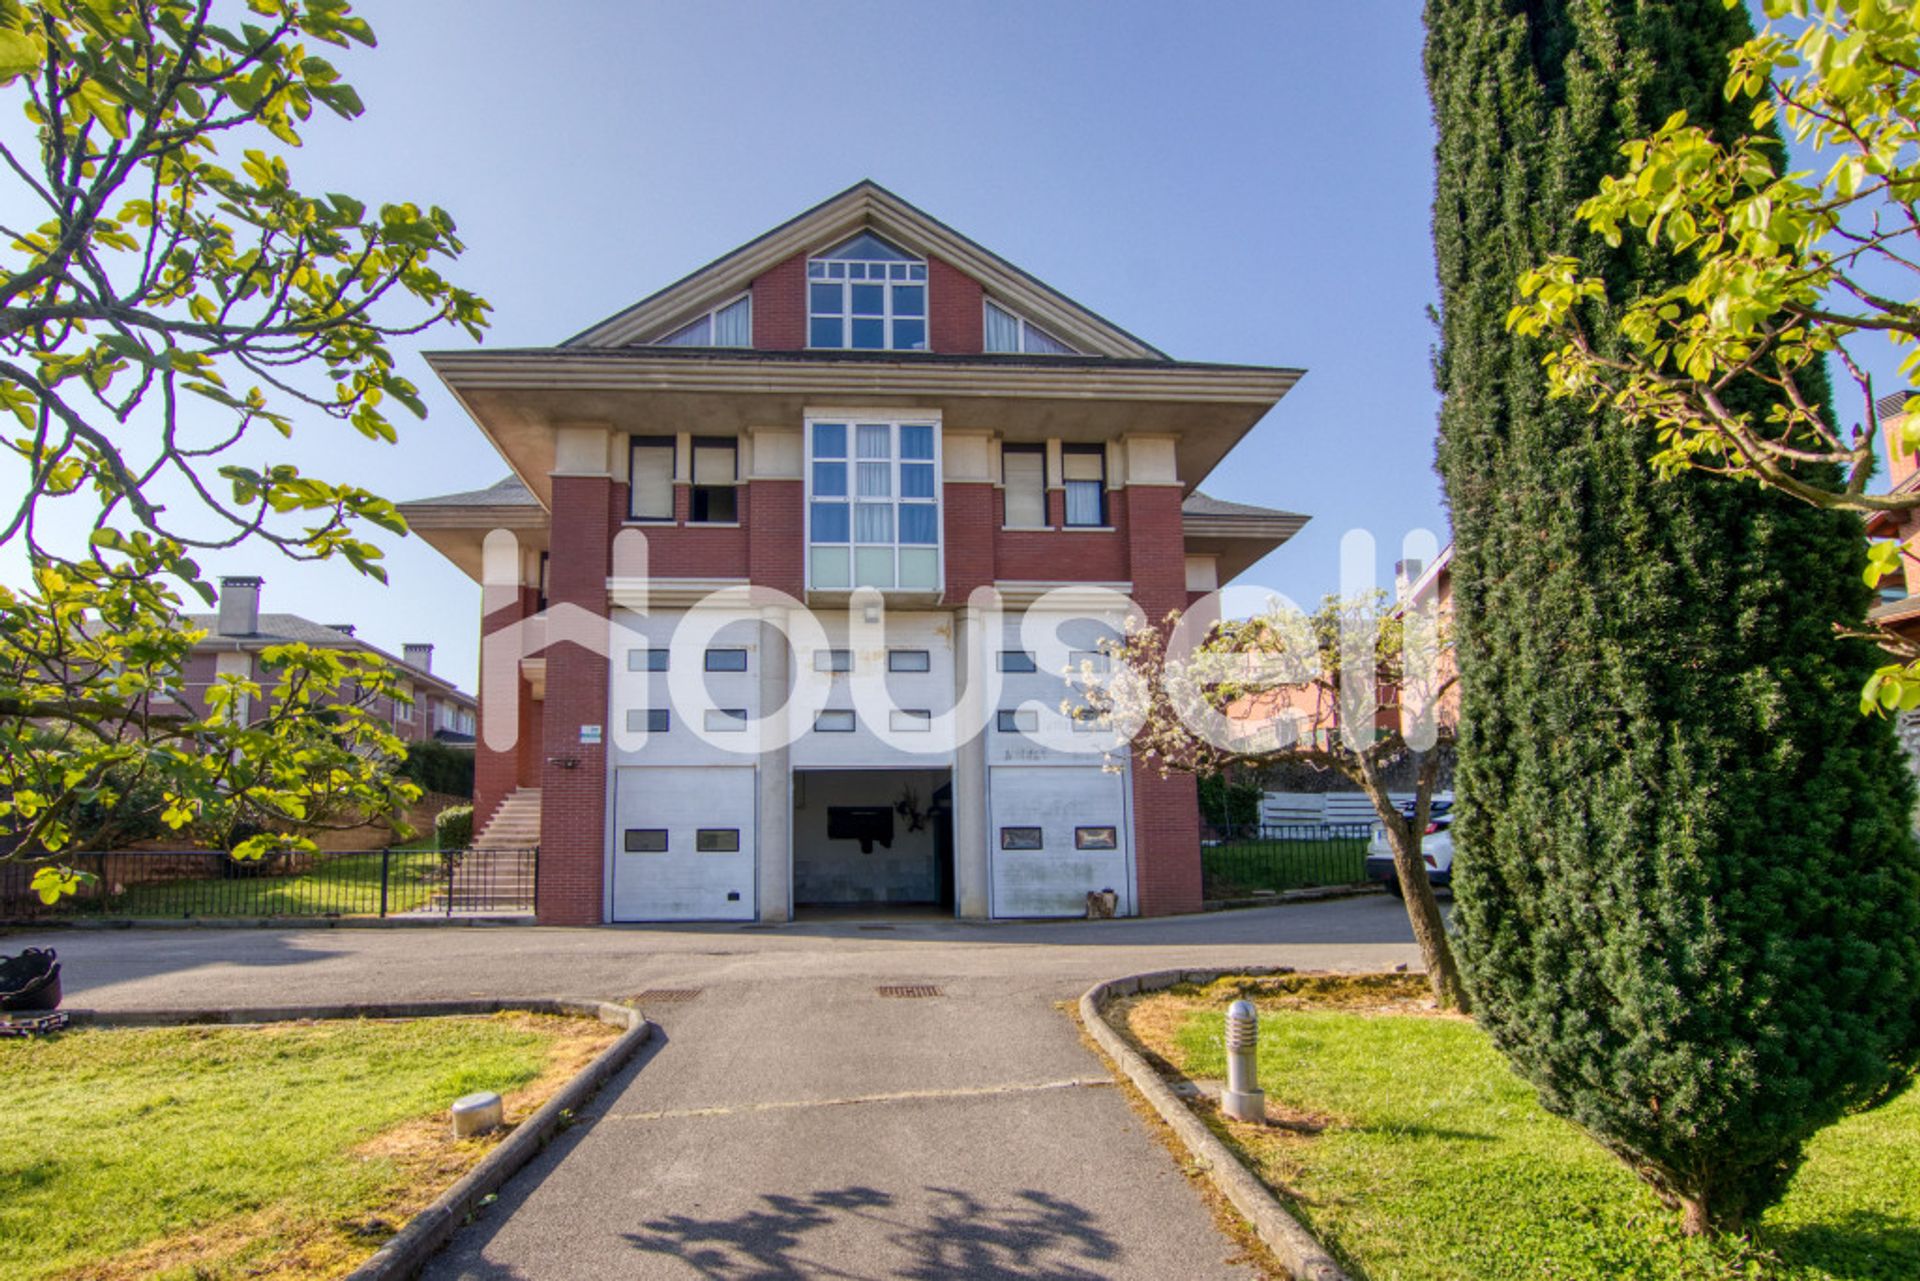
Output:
x,y
729,325
868,296
1008,332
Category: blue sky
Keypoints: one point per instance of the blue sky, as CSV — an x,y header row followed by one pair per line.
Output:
x,y
1245,183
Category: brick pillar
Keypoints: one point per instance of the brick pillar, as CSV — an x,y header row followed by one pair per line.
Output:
x,y
573,799
972,524
776,535
1166,811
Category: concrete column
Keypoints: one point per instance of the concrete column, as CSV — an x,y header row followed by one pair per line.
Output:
x,y
971,871
775,776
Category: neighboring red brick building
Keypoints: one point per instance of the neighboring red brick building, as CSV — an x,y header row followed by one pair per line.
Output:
x,y
730,667
239,631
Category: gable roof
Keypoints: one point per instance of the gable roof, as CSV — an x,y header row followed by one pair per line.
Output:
x,y
865,206
288,629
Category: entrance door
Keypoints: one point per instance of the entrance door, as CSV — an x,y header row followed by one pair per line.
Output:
x,y
683,843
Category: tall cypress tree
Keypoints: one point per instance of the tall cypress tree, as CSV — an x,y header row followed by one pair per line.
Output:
x,y
1688,897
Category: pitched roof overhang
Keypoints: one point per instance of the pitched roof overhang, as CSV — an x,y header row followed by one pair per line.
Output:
x,y
517,396
1234,534
865,205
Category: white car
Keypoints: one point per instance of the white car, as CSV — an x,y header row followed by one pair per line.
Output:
x,y
1436,848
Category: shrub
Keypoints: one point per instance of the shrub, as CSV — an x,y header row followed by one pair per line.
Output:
x,y
453,827
439,767
1226,802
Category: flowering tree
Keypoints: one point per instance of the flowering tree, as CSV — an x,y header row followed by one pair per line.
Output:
x,y
177,294
1353,688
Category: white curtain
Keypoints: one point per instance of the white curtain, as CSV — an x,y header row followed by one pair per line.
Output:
x,y
1003,330
873,522
732,325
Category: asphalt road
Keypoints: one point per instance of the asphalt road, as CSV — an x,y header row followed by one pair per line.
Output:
x,y
791,1121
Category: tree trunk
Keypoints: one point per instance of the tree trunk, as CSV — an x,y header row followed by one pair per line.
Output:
x,y
1423,909
1694,1221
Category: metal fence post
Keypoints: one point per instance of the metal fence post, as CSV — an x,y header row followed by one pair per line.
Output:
x,y
386,870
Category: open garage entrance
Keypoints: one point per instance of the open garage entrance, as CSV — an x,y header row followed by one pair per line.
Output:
x,y
876,841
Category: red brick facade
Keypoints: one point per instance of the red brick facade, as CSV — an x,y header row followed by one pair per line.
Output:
x,y
780,306
957,319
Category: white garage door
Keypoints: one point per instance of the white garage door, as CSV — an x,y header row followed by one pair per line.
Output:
x,y
1059,832
683,846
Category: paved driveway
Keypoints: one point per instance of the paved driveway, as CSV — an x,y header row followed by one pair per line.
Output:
x,y
791,1121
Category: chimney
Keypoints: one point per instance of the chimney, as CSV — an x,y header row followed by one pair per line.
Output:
x,y
239,607
1405,574
418,655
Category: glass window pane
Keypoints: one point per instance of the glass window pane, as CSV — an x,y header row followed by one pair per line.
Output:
x,y
876,480
726,660
909,335
1003,330
873,522
918,271
1045,343
1016,660
834,721
651,480
919,568
826,300
1082,464
825,333
918,523
1083,502
697,334
725,720
1020,838
909,300
832,660
869,248
830,568
898,271
829,440
875,440
908,660
916,441
906,720
916,480
715,463
837,270
829,522
869,300
816,269
857,270
733,325
873,567
869,335
829,480
717,840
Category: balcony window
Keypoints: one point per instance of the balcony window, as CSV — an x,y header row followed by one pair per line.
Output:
x,y
650,478
1010,333
866,295
728,325
715,498
1084,470
873,509
1023,477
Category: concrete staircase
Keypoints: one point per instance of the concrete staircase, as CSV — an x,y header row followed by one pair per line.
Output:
x,y
515,824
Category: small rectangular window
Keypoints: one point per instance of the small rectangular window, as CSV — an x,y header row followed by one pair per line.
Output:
x,y
1091,658
833,720
1020,838
910,720
647,660
646,840
1083,469
1016,660
726,660
650,478
726,720
1017,720
1023,477
1096,838
908,660
1084,720
832,660
655,720
717,840
716,473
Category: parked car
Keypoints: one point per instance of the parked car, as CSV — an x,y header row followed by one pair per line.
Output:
x,y
1436,848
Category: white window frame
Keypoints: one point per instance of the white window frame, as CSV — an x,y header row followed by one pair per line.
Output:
x,y
845,314
712,317
1025,349
894,420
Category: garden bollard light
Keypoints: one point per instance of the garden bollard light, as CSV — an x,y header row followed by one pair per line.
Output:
x,y
1243,1099
476,1114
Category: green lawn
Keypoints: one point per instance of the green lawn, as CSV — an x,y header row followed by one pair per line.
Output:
x,y
213,1153
1236,868
1438,1165
338,885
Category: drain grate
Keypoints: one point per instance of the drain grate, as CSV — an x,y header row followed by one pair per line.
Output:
x,y
667,995
909,990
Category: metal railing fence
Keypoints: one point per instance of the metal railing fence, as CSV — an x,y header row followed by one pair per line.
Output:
x,y
1290,856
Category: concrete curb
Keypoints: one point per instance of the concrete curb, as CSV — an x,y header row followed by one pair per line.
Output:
x,y
1295,1247
409,1249
1314,895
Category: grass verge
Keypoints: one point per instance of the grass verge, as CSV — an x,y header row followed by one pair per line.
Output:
x,y
294,1150
1407,1146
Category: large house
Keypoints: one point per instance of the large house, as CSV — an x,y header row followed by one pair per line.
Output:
x,y
236,635
782,593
